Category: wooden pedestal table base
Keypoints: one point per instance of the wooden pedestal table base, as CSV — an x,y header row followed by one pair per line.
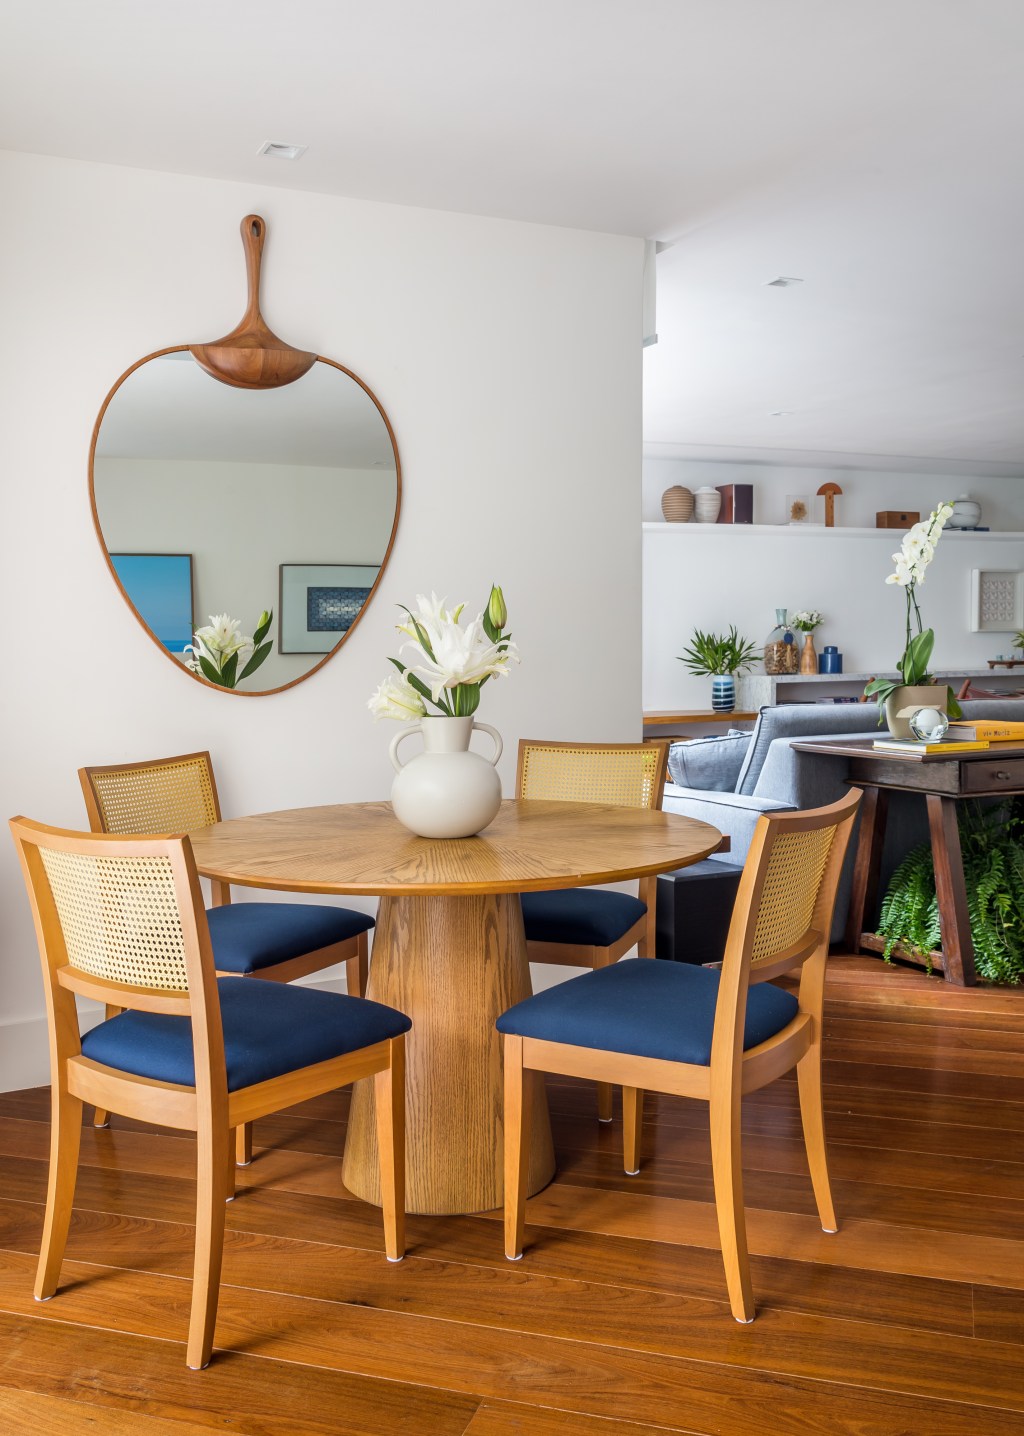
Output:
x,y
454,964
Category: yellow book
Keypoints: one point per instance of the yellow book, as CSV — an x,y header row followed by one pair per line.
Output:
x,y
991,730
911,748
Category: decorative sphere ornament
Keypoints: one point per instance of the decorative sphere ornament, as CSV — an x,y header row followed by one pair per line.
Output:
x,y
929,725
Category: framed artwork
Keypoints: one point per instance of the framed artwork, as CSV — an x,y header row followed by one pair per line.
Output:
x,y
320,602
159,585
997,600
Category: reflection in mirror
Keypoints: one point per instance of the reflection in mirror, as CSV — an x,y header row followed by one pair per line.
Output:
x,y
275,499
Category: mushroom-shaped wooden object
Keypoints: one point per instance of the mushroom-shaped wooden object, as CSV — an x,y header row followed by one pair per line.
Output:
x,y
829,492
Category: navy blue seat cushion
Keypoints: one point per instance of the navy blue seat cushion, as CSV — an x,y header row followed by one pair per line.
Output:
x,y
646,1008
589,916
248,936
269,1028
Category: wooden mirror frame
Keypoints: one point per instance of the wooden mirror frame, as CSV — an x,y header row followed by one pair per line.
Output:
x,y
250,357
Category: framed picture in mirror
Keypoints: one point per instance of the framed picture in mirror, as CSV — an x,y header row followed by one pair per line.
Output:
x,y
320,602
160,587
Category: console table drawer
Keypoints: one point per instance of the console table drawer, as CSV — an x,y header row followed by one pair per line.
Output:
x,y
993,775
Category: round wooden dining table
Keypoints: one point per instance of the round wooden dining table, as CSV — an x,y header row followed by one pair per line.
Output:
x,y
449,951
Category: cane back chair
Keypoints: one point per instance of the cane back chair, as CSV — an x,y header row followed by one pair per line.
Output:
x,y
589,927
273,941
692,1032
121,920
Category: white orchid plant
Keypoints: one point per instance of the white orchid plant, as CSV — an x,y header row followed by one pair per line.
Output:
x,y
911,564
217,649
448,663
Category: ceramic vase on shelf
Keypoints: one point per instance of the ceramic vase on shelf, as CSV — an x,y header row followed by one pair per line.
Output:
x,y
808,657
677,505
446,791
921,695
723,693
707,502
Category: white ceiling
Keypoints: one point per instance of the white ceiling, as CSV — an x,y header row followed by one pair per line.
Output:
x,y
874,148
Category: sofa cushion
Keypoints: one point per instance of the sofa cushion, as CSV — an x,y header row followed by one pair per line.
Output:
x,y
800,720
269,1028
712,764
647,1009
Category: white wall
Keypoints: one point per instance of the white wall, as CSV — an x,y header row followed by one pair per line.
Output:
x,y
508,359
240,522
710,576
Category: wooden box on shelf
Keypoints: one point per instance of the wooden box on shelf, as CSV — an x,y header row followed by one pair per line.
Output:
x,y
896,519
737,504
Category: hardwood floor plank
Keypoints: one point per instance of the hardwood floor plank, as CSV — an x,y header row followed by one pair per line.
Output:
x,y
60,1416
872,1246
115,1370
563,1374
810,1287
505,1420
999,1315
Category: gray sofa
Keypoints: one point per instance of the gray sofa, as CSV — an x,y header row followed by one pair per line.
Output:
x,y
775,778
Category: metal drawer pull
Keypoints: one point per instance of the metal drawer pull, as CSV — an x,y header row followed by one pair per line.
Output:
x,y
1001,773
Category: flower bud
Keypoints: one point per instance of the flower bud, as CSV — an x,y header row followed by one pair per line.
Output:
x,y
496,610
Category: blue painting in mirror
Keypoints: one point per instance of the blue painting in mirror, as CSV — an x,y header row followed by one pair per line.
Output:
x,y
333,610
159,585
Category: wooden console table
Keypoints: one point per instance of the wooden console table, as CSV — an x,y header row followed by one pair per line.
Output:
x,y
943,780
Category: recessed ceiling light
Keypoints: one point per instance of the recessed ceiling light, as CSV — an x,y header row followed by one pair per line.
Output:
x,y
782,281
282,151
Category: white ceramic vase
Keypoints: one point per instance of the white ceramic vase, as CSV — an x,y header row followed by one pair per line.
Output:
x,y
446,791
707,502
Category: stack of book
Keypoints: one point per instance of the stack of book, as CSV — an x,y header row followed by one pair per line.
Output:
x,y
965,737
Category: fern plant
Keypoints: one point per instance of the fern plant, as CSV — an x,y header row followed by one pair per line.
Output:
x,y
992,842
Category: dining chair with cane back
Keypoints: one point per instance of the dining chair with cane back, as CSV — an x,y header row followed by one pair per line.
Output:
x,y
273,941
122,921
591,927
695,1032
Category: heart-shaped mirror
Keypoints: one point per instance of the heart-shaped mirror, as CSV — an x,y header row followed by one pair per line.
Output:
x,y
274,491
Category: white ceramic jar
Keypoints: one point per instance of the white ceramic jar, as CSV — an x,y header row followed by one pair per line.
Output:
x,y
966,513
446,791
707,502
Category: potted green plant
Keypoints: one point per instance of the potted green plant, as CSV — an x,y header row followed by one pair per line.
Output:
x,y
992,844
719,657
915,687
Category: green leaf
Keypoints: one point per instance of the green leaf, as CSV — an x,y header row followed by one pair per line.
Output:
x,y
953,708
228,671
258,656
262,632
210,671
914,666
492,633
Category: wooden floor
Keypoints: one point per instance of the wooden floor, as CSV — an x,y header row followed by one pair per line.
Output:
x,y
909,1321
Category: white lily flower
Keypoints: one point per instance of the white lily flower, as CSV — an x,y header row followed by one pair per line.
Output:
x,y
461,655
221,637
397,698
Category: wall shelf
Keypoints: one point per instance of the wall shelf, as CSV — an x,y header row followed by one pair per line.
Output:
x,y
819,531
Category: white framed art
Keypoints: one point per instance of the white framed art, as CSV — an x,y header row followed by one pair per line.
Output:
x,y
320,602
997,600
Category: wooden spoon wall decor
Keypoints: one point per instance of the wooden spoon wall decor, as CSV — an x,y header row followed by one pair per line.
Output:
x,y
252,356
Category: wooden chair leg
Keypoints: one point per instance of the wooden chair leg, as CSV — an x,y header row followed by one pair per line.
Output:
x,y
517,1146
243,1144
230,1179
389,1094
727,1166
357,968
632,1128
65,1141
812,1116
101,1117
604,1101
212,1157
